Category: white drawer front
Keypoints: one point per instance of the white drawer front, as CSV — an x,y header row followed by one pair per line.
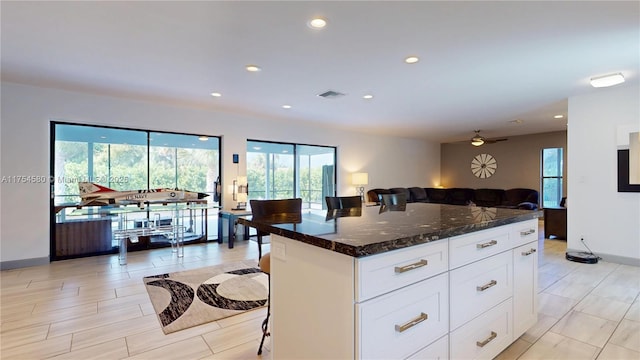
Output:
x,y
480,286
484,337
466,249
439,350
524,232
379,274
396,325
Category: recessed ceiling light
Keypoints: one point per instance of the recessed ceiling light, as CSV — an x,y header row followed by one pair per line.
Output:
x,y
252,68
203,138
559,116
286,106
317,23
607,80
411,59
216,94
368,96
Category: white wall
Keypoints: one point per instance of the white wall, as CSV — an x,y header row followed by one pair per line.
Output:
x,y
608,220
24,150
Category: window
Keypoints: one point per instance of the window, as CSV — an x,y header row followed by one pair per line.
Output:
x,y
281,170
125,159
552,176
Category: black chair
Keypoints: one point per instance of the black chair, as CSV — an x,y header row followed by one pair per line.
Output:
x,y
343,202
275,212
393,202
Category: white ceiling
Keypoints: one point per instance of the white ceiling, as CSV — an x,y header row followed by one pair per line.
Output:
x,y
482,64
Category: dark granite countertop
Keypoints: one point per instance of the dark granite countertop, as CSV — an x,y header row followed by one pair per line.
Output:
x,y
374,230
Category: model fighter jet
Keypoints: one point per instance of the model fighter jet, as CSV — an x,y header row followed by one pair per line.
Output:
x,y
94,194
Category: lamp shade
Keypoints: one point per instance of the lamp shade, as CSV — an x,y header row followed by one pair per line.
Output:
x,y
360,178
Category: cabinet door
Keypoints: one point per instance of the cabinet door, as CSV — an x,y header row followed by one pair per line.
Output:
x,y
525,287
397,324
439,350
477,287
485,336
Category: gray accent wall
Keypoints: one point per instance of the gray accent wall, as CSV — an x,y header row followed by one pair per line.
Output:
x,y
518,162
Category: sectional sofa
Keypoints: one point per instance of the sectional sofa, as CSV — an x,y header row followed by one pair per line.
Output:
x,y
517,198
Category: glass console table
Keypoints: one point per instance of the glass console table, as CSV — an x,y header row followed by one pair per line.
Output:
x,y
161,219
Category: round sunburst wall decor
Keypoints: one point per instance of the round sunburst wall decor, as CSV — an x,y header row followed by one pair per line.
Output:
x,y
483,166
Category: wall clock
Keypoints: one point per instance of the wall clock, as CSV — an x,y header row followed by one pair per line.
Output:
x,y
483,166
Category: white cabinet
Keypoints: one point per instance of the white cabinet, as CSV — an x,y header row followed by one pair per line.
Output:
x,y
525,287
467,296
395,325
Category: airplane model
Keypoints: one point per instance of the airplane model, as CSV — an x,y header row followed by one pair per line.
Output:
x,y
94,194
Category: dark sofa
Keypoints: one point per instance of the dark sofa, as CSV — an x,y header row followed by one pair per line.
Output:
x,y
517,198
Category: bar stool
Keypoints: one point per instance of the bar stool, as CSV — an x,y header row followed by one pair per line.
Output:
x,y
265,266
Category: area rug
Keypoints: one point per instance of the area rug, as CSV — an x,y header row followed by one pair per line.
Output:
x,y
193,297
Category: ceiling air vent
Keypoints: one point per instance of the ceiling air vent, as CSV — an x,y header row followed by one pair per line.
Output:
x,y
330,94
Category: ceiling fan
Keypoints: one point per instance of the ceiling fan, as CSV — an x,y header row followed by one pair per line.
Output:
x,y
478,140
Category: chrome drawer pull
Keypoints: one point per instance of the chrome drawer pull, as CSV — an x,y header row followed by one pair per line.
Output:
x,y
527,253
487,244
401,269
528,232
487,285
488,340
422,317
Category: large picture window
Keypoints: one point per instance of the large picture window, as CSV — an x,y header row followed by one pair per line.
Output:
x,y
282,170
126,159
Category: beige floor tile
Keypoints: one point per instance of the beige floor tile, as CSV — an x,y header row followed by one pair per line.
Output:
x,y
192,348
554,346
39,350
627,335
602,307
586,328
51,316
115,349
22,336
616,291
566,288
155,338
121,329
554,305
615,352
234,335
543,325
93,321
245,351
634,311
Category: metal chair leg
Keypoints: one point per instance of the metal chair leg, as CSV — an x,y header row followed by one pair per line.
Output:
x,y
265,322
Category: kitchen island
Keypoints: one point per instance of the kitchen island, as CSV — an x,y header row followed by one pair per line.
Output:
x,y
421,281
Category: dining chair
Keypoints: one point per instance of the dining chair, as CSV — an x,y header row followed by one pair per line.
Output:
x,y
343,202
280,211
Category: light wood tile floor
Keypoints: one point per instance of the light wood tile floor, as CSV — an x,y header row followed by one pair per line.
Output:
x,y
93,308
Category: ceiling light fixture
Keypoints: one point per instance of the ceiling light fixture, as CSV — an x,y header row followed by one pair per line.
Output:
x,y
607,80
317,23
477,140
216,94
252,68
368,96
559,116
203,138
411,59
286,106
